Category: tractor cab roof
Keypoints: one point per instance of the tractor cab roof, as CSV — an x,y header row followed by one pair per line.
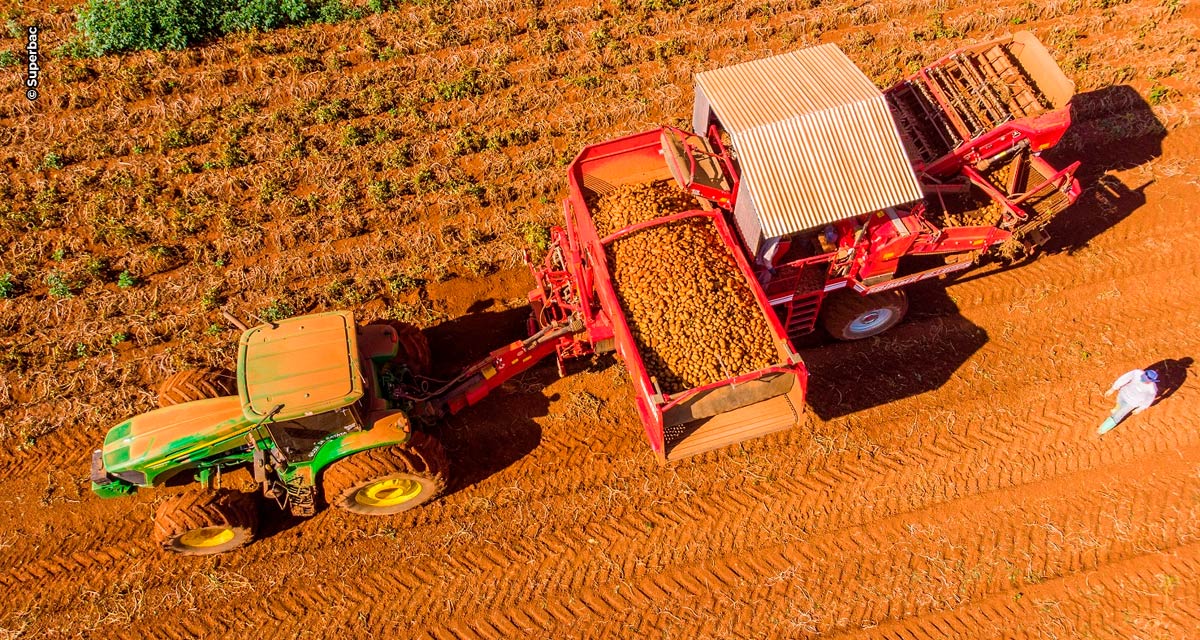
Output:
x,y
814,136
308,364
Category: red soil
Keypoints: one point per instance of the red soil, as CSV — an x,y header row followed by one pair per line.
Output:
x,y
949,481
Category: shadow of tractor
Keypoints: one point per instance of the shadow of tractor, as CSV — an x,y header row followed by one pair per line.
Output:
x,y
488,437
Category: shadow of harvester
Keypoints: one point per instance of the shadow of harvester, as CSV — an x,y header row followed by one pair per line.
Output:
x,y
918,355
1113,128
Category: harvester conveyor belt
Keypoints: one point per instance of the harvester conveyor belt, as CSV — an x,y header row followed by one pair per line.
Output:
x,y
973,126
915,130
928,106
999,108
1005,72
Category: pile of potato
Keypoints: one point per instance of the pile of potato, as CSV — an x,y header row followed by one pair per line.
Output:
x,y
691,312
987,215
636,203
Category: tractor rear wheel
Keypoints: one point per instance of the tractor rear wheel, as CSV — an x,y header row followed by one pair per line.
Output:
x,y
414,348
196,384
849,316
388,480
200,522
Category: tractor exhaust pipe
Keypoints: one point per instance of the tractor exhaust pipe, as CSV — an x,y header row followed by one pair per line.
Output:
x,y
233,320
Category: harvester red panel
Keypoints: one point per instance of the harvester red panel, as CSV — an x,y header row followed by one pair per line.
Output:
x,y
705,417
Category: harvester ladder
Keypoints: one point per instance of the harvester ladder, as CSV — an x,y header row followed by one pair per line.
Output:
x,y
806,302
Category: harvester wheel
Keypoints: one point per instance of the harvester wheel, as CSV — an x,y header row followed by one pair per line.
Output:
x,y
388,480
849,316
196,384
414,348
200,522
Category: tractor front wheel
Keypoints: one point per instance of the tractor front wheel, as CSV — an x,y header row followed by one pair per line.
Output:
x,y
200,522
388,480
849,316
196,384
414,348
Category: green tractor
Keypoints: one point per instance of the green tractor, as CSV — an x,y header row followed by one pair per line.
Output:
x,y
313,413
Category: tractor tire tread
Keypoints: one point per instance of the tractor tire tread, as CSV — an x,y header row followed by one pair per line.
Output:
x,y
196,384
198,508
422,456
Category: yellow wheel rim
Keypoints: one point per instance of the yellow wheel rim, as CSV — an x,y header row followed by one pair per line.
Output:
x,y
206,537
388,493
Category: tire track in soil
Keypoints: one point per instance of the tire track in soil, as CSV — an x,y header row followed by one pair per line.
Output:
x,y
835,477
64,447
31,558
836,480
1157,595
827,563
830,474
891,570
554,567
499,561
1058,272
103,560
818,484
95,529
68,442
103,551
702,525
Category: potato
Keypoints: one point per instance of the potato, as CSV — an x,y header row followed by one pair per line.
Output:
x,y
692,314
987,215
632,204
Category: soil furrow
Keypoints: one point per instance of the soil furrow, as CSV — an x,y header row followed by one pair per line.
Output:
x,y
1159,590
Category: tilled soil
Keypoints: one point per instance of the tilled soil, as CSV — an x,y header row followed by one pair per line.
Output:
x,y
948,481
985,506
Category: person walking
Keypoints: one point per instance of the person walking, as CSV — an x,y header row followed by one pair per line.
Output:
x,y
1135,393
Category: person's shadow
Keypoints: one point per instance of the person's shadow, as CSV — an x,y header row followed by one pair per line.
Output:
x,y
1171,375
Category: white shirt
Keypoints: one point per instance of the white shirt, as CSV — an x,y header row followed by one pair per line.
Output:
x,y
1136,391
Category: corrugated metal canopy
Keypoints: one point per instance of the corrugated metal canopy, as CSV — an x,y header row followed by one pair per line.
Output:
x,y
814,137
